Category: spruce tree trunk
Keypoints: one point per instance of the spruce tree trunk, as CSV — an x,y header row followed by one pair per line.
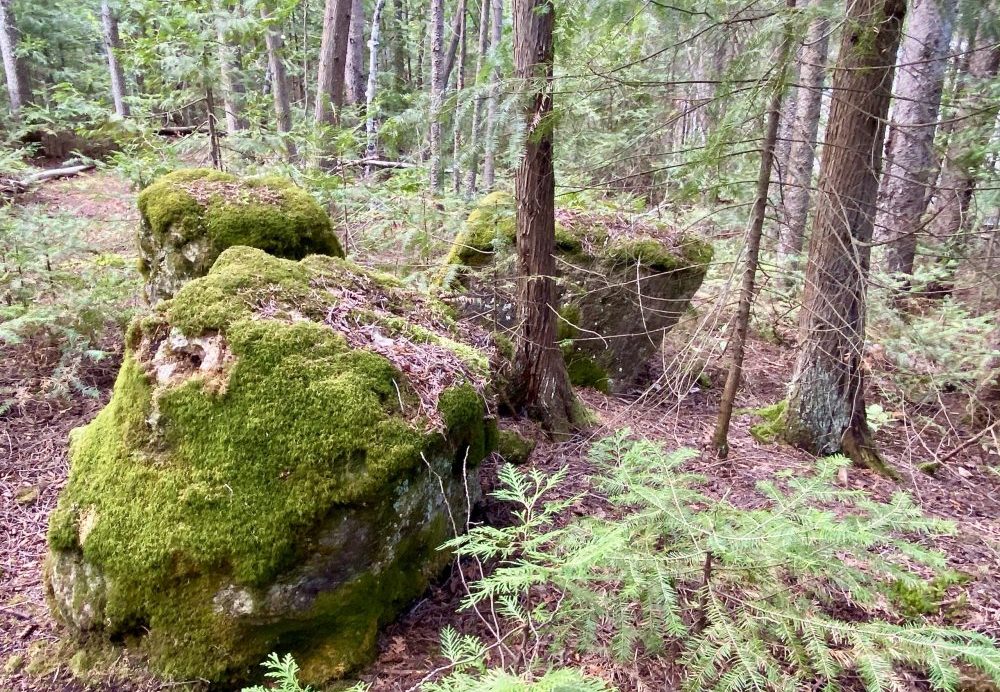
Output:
x,y
356,55
803,132
477,106
15,68
332,59
371,124
112,44
231,81
540,386
910,158
965,156
279,80
493,102
459,88
437,91
826,405
398,32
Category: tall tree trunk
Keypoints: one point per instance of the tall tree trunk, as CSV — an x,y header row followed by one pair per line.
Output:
x,y
741,325
965,156
493,102
459,88
542,386
371,124
112,44
279,81
356,55
15,68
399,35
231,81
477,106
805,127
437,90
457,22
826,405
910,158
332,59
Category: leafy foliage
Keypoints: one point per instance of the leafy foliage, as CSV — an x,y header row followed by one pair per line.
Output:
x,y
755,598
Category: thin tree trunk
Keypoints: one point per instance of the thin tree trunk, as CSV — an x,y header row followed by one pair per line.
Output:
x,y
231,81
542,386
332,59
910,158
457,22
279,81
741,325
112,44
215,147
805,128
825,412
399,36
477,106
421,50
459,88
356,55
371,124
493,102
437,90
15,68
965,157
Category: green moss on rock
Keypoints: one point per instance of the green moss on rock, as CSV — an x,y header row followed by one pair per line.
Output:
x,y
258,482
190,216
513,447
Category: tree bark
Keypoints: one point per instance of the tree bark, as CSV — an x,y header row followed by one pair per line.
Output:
x,y
910,158
541,386
231,82
112,44
437,91
459,87
371,124
332,59
825,411
477,105
399,32
356,55
803,132
741,325
965,155
493,101
15,68
279,81
457,26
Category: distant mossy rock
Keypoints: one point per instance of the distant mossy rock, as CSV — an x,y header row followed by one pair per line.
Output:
x,y
287,445
190,216
622,285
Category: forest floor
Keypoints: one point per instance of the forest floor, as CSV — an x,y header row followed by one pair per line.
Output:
x,y
34,656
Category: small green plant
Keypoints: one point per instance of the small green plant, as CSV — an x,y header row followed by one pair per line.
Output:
x,y
749,596
769,428
285,674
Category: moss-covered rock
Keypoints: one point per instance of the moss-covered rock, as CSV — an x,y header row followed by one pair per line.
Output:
x,y
274,470
622,285
190,216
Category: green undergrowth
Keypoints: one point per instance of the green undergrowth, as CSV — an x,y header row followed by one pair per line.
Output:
x,y
771,425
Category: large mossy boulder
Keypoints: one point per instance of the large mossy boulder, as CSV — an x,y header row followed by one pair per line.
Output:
x,y
621,285
190,216
287,446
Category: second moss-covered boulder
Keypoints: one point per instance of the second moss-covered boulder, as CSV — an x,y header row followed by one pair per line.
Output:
x,y
622,285
287,446
190,216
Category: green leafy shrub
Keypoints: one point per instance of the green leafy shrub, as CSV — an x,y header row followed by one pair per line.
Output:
x,y
749,596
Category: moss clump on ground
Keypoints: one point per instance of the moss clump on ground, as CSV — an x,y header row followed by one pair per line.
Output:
x,y
915,600
205,479
190,216
771,426
514,447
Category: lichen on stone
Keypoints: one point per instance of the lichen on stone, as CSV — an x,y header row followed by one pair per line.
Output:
x,y
190,216
267,473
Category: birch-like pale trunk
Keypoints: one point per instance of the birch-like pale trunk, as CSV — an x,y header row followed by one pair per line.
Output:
x,y
112,44
493,101
910,158
477,106
371,124
437,91
15,69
